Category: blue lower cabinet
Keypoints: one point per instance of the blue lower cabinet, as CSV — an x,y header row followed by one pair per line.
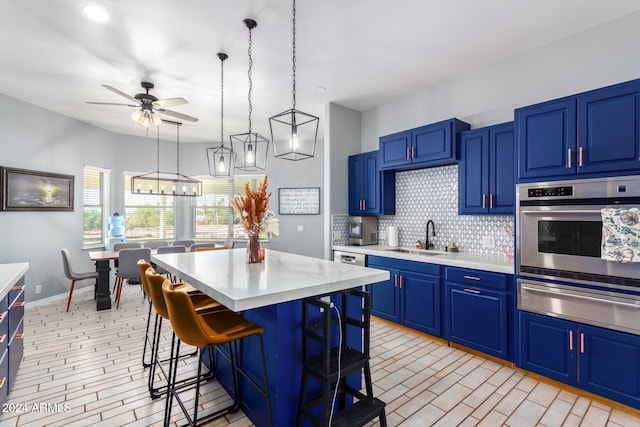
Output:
x,y
598,360
411,296
479,311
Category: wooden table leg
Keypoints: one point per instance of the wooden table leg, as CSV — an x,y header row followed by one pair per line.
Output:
x,y
103,296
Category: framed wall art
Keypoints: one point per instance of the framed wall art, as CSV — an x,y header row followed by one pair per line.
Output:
x,y
28,190
299,201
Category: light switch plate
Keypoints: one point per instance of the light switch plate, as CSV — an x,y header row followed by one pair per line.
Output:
x,y
301,228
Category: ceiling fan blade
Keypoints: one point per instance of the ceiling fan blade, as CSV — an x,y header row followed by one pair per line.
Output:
x,y
121,93
177,115
169,102
111,103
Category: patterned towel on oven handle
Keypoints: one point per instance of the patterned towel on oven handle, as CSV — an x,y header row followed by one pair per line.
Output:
x,y
621,234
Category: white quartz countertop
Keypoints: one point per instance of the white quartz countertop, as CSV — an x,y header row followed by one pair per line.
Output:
x,y
498,264
280,277
10,274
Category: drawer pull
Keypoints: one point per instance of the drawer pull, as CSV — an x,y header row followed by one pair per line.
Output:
x,y
19,336
401,281
2,338
472,278
570,340
473,291
19,304
17,288
2,381
3,315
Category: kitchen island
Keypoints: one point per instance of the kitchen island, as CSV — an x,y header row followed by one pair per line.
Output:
x,y
269,293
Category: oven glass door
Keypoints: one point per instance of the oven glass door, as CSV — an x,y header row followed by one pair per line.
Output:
x,y
566,242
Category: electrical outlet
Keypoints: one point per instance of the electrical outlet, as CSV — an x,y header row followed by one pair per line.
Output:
x,y
488,242
38,289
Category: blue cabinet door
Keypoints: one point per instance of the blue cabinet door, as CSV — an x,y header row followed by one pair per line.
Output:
x,y
395,149
477,318
356,183
371,184
433,143
473,172
420,302
502,190
609,129
548,347
546,139
385,296
610,363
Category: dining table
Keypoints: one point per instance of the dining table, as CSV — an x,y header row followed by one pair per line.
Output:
x,y
269,293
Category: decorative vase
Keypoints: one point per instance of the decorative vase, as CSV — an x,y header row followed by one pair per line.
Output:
x,y
253,249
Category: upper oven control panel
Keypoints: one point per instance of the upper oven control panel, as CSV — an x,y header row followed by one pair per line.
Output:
x,y
550,191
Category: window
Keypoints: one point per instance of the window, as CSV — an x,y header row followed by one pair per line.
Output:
x,y
148,216
95,186
214,218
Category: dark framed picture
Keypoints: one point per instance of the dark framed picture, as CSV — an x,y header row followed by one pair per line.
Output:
x,y
28,190
299,201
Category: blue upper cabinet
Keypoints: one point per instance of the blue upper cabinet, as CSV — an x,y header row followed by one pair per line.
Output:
x,y
486,171
595,133
430,145
371,192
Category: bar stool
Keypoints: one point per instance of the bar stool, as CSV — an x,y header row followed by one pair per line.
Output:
x,y
207,331
201,302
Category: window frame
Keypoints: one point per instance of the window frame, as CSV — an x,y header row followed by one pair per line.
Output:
x,y
103,205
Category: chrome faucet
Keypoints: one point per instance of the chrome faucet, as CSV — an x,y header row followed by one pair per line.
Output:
x,y
428,245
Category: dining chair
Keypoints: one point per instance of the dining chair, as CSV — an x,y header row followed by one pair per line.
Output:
x,y
202,245
169,250
128,267
126,245
229,243
205,248
72,275
185,243
155,244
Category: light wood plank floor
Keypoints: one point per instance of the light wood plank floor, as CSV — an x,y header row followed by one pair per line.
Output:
x,y
83,368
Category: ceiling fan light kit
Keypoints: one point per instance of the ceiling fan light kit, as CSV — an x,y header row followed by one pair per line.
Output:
x,y
294,133
221,159
255,147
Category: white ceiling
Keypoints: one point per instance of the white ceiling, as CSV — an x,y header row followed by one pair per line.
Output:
x,y
363,51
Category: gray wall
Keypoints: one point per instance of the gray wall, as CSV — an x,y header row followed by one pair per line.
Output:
x,y
55,143
595,58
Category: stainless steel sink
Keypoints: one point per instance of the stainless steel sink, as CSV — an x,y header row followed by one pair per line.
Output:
x,y
424,252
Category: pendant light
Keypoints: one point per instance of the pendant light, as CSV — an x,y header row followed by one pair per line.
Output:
x,y
253,146
221,159
166,183
293,132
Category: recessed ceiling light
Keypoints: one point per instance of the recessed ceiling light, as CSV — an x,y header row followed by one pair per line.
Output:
x,y
319,89
96,13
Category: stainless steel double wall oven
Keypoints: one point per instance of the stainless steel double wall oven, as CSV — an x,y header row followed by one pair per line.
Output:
x,y
558,251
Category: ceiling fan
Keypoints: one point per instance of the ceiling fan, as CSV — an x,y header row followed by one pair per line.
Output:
x,y
148,105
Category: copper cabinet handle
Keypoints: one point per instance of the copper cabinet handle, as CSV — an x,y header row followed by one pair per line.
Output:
x,y
408,154
580,157
3,315
2,381
364,205
569,158
19,336
484,201
17,288
395,280
472,278
581,342
401,281
491,201
473,291
570,339
19,304
2,338
413,152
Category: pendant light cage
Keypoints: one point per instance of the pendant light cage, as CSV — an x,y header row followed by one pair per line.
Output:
x,y
166,183
251,147
294,133
221,159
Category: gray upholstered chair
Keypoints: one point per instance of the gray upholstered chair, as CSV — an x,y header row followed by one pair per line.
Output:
x,y
128,267
169,250
72,275
155,244
185,243
202,245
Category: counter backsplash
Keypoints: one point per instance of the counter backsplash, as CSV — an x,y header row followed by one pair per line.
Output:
x,y
432,194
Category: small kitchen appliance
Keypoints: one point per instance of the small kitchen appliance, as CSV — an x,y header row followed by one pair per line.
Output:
x,y
363,230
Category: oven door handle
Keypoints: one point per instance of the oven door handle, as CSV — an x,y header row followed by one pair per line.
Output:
x,y
579,296
563,211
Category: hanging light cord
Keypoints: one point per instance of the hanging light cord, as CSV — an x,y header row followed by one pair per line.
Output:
x,y
222,102
294,54
250,81
178,150
158,149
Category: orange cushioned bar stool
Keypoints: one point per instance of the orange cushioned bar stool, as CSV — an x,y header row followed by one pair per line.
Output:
x,y
208,331
201,303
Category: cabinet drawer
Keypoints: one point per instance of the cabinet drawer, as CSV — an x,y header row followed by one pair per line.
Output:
x,y
402,264
479,278
16,313
16,350
4,376
14,293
